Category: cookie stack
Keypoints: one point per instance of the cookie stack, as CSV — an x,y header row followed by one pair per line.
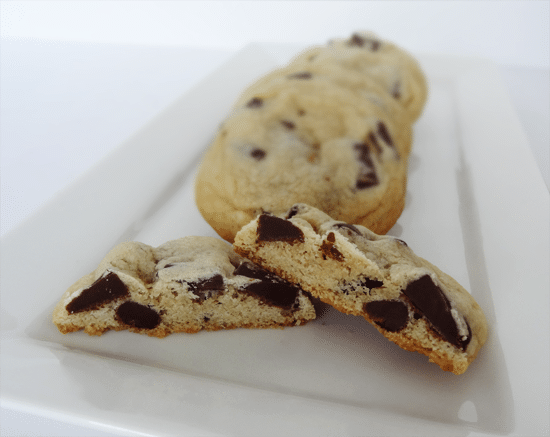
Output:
x,y
331,129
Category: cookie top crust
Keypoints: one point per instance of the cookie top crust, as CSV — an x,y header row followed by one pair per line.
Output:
x,y
184,285
393,68
408,299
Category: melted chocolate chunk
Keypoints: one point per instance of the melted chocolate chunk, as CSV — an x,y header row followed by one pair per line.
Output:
x,y
277,292
106,289
429,300
367,175
207,287
272,228
255,102
288,124
328,249
391,315
258,154
300,75
138,315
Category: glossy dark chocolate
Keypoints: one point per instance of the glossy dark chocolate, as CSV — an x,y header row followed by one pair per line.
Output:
x,y
106,289
138,315
207,287
272,228
391,315
277,293
430,301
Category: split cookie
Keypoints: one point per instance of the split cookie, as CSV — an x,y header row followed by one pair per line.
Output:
x,y
409,300
185,285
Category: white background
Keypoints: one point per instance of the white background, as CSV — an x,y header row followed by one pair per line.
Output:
x,y
79,77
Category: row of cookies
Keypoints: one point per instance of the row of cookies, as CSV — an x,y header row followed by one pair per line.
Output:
x,y
332,129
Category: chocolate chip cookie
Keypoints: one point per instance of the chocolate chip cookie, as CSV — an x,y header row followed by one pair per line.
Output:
x,y
409,300
323,133
185,285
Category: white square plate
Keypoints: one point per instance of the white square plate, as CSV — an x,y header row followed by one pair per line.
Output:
x,y
476,207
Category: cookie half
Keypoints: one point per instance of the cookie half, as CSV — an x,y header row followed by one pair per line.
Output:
x,y
185,285
409,300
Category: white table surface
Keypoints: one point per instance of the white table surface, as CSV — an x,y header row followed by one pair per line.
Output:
x,y
65,106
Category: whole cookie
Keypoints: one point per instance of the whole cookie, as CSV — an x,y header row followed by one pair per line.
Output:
x,y
185,285
408,299
301,137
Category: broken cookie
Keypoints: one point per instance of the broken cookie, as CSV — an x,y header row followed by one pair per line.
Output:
x,y
185,285
409,300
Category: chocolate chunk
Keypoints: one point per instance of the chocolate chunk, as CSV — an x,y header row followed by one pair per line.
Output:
x,y
258,154
383,132
429,300
288,124
106,289
370,283
328,249
270,289
391,315
279,293
207,287
300,75
365,285
301,112
293,211
401,242
251,271
358,41
255,102
352,228
138,315
367,175
396,90
371,140
272,228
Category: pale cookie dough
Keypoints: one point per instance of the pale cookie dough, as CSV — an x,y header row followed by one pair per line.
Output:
x,y
409,300
397,71
302,138
185,285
